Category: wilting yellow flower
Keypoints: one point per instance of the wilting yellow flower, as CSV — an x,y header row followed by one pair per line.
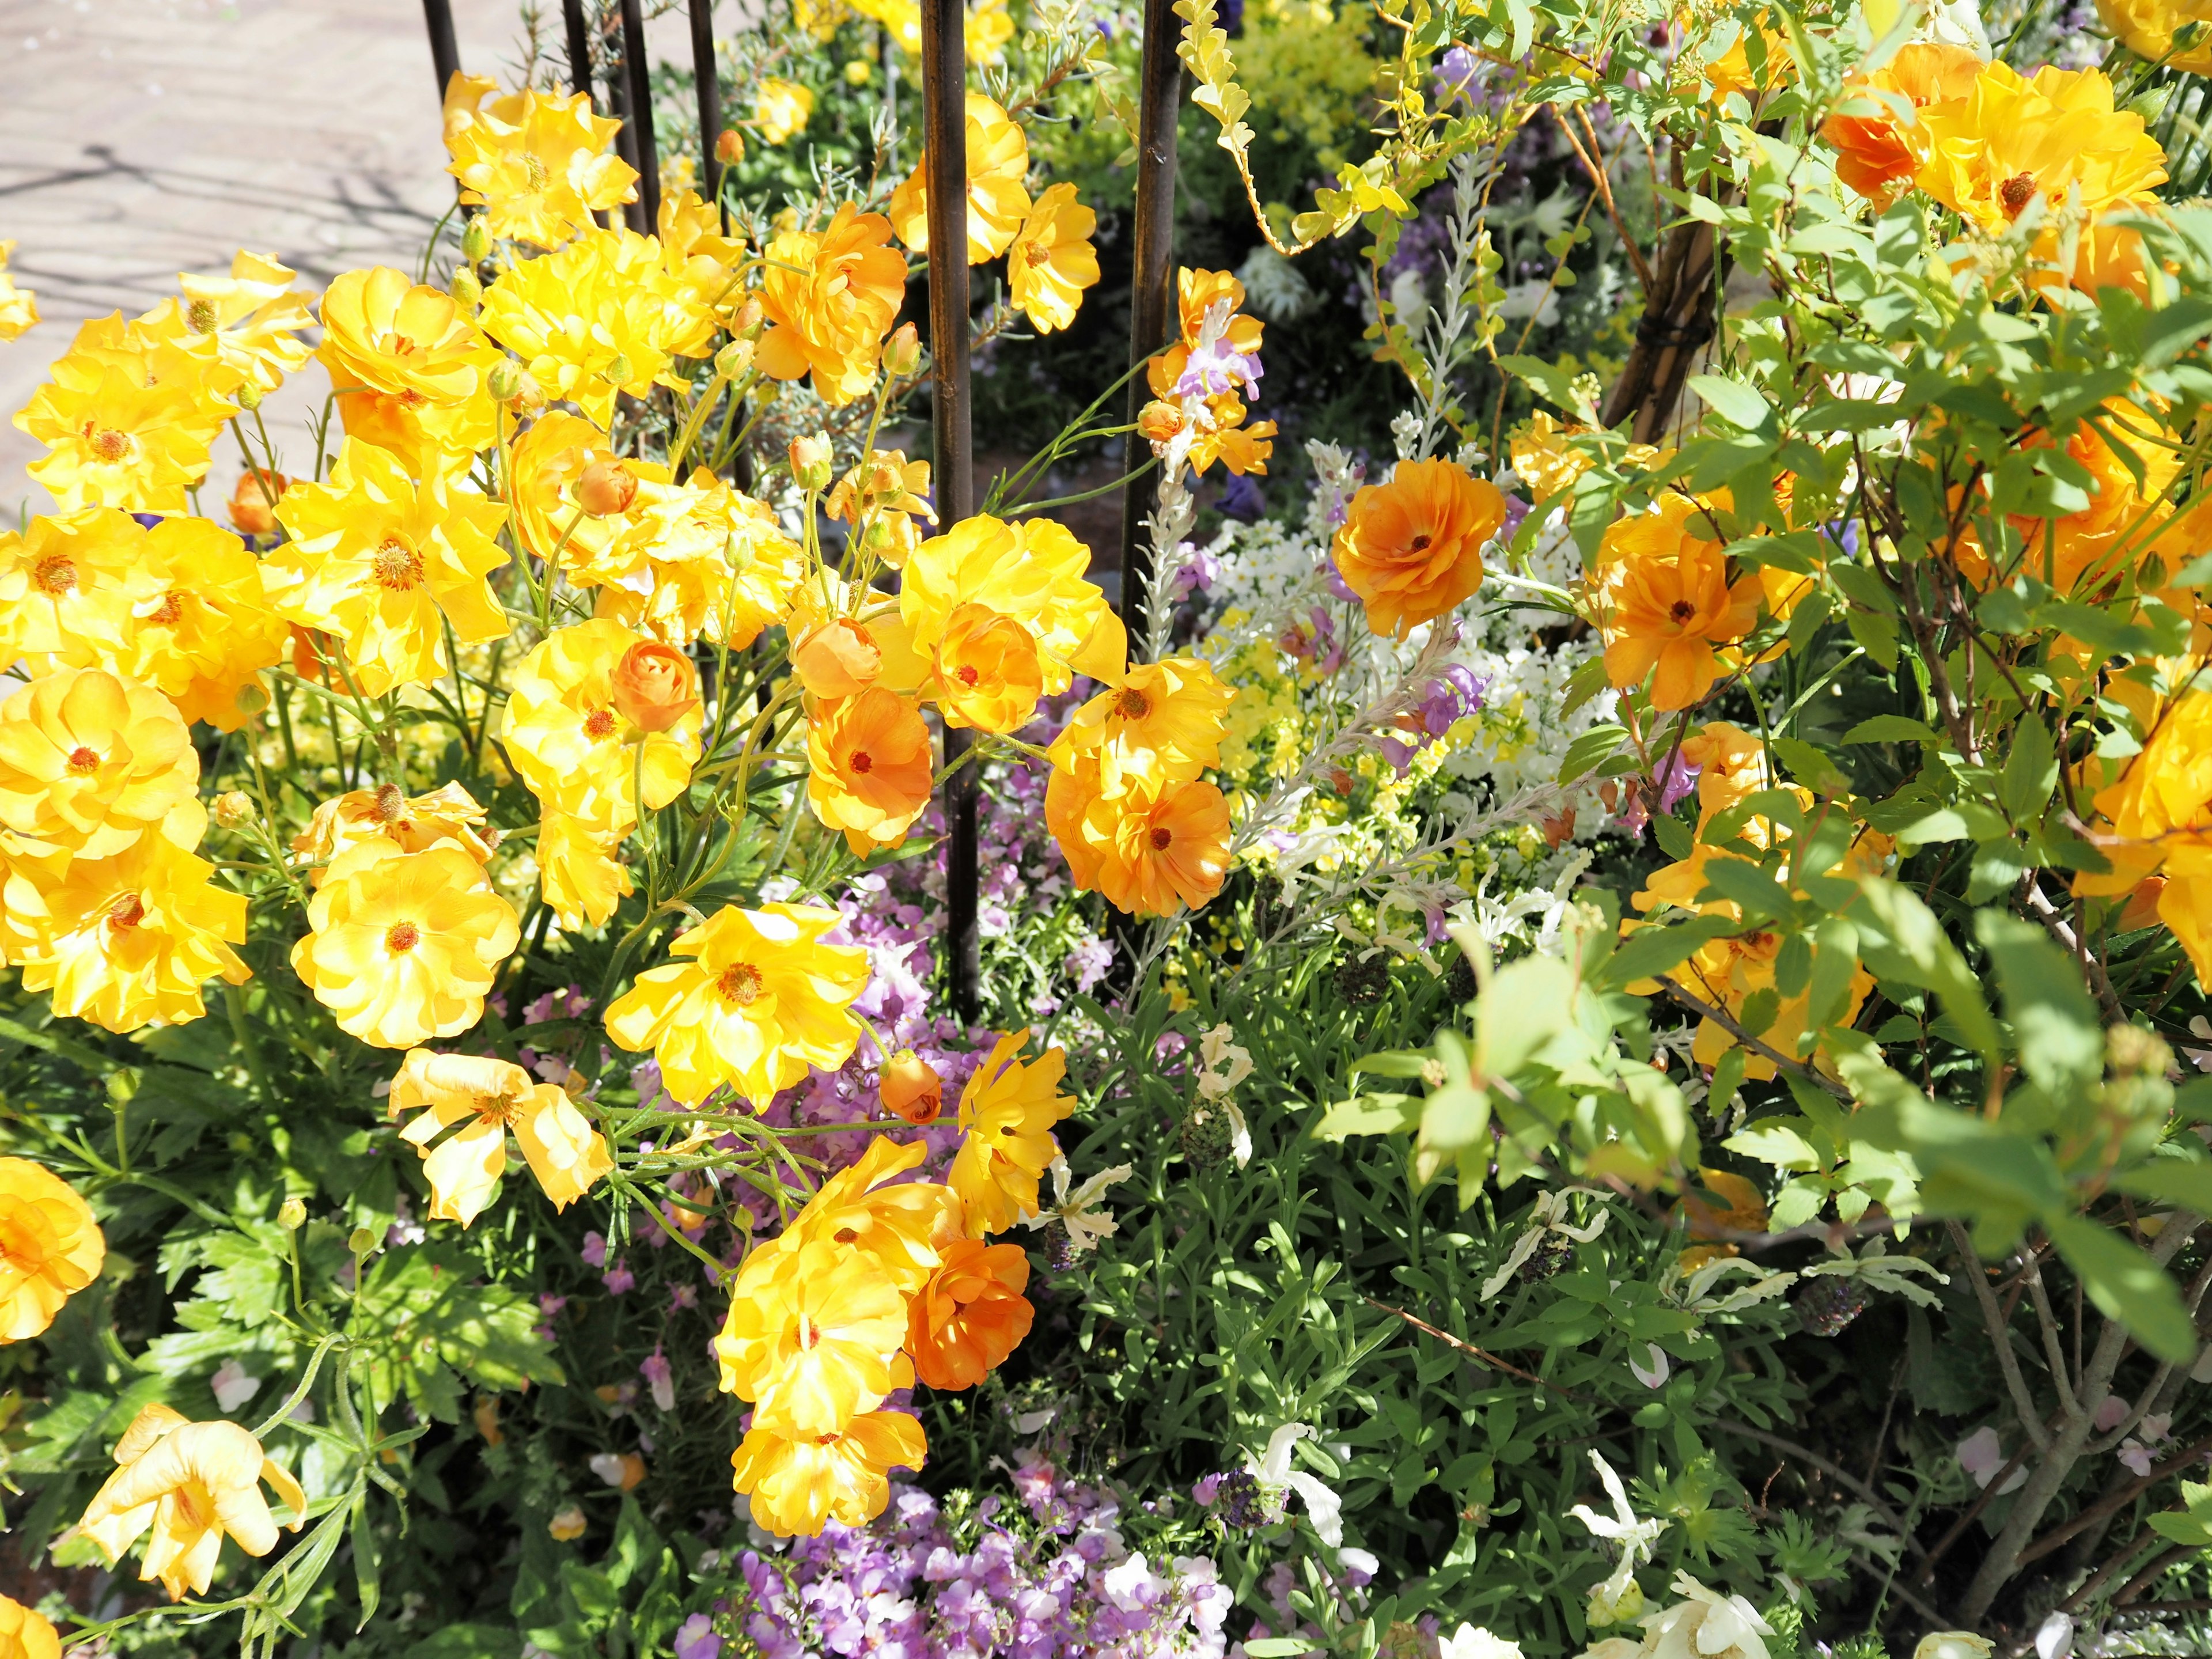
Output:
x,y
880,497
2147,29
404,945
998,200
447,817
540,164
781,109
192,1484
1006,1115
812,1337
870,768
19,306
759,1000
1164,721
829,298
1031,571
250,320
601,316
904,1225
1051,261
68,586
1666,602
1412,548
578,872
25,1632
50,1244
408,365
387,564
129,940
798,1484
88,765
127,419
567,735
488,1097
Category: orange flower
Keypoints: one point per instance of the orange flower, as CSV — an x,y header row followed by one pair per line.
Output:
x,y
252,504
1666,602
911,1089
1877,154
654,686
1412,548
970,1315
1160,846
987,672
52,1246
829,298
840,658
871,771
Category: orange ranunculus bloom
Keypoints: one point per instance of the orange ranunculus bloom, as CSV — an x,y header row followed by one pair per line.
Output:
x,y
971,1314
1006,1115
871,771
1666,602
998,201
1412,548
987,673
192,1484
1731,764
655,685
1160,847
830,298
51,1244
252,503
1877,154
89,763
799,1483
910,1088
839,658
447,817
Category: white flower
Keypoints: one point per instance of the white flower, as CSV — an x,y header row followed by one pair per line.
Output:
x,y
2054,1637
1224,1064
1547,1215
1654,1372
608,1467
1131,1586
1981,1454
1705,1625
1637,1539
1952,1644
233,1386
1085,1225
1324,1508
1469,1643
1274,287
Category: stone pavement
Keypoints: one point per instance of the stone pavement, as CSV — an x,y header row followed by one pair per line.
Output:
x,y
139,138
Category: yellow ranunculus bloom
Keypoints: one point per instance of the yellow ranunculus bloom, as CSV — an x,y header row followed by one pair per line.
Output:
x,y
251,318
830,296
902,1223
386,563
998,198
68,585
1006,1115
191,1485
447,817
408,365
1051,261
1031,571
1165,722
404,945
724,571
812,1337
577,870
758,999
540,164
781,109
488,1097
88,764
2147,29
129,940
575,748
19,306
128,418
25,1632
798,1484
989,27
51,1247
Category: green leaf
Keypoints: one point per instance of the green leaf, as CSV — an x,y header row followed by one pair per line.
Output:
x,y
2126,1285
1733,401
1277,1647
1586,751
1655,950
2186,1182
1934,962
2054,1022
1889,728
1369,1115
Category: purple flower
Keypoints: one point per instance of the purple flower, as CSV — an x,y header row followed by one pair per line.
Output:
x,y
618,1278
595,1249
1200,570
1460,75
660,1379
1087,962
696,1638
1211,370
1241,500
1677,778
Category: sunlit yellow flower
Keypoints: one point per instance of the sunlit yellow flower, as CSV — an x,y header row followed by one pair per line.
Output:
x,y
567,735
127,419
1006,1115
89,764
387,565
68,585
192,1484
781,109
1031,571
404,945
812,1337
704,261
251,318
129,940
590,544
1051,261
51,1247
998,200
204,630
1877,154
988,27
540,164
870,768
408,365
25,1632
2147,29
904,1224
19,306
986,673
798,1484
829,298
446,817
758,1000
578,871
1163,722
488,1097
880,497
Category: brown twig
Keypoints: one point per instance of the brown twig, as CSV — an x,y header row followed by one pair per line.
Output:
x,y
1593,165
1843,1477
1728,1023
2119,1501
1465,1348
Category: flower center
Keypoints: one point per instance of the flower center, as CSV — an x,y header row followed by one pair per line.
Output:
x,y
55,574
495,1108
398,345
398,566
108,444
389,804
739,984
83,762
966,675
2016,192
196,1510
166,614
1132,704
534,170
1681,610
863,762
201,315
1162,839
599,723
809,1333
402,937
126,912
1420,543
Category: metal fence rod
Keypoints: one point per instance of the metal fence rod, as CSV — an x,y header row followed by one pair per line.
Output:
x,y
579,46
445,51
1152,290
945,150
639,70
710,104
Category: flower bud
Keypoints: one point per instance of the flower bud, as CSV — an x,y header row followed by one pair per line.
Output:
x,y
248,396
249,507
476,238
233,809
810,461
750,320
606,489
733,359
911,1088
729,146
467,291
902,351
655,685
839,658
504,379
567,1524
619,371
291,1215
250,699
360,1241
1159,422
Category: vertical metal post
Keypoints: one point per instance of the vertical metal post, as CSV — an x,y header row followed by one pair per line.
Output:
x,y
1152,287
703,70
445,52
618,105
945,156
638,70
579,46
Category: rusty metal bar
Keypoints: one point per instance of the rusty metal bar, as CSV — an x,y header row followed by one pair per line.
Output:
x,y
945,156
445,51
637,68
703,70
1151,277
579,46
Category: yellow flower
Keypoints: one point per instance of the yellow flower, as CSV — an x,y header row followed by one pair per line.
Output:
x,y
51,1247
2147,29
490,1096
251,318
447,817
812,1337
19,306
127,419
704,261
89,764
408,366
192,1484
540,164
575,748
988,28
68,585
1163,722
577,870
880,498
829,298
590,544
205,630
759,1000
129,940
798,1484
1051,261
1666,602
25,1632
1031,571
404,945
781,109
386,564
1006,1115
998,200
904,1225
